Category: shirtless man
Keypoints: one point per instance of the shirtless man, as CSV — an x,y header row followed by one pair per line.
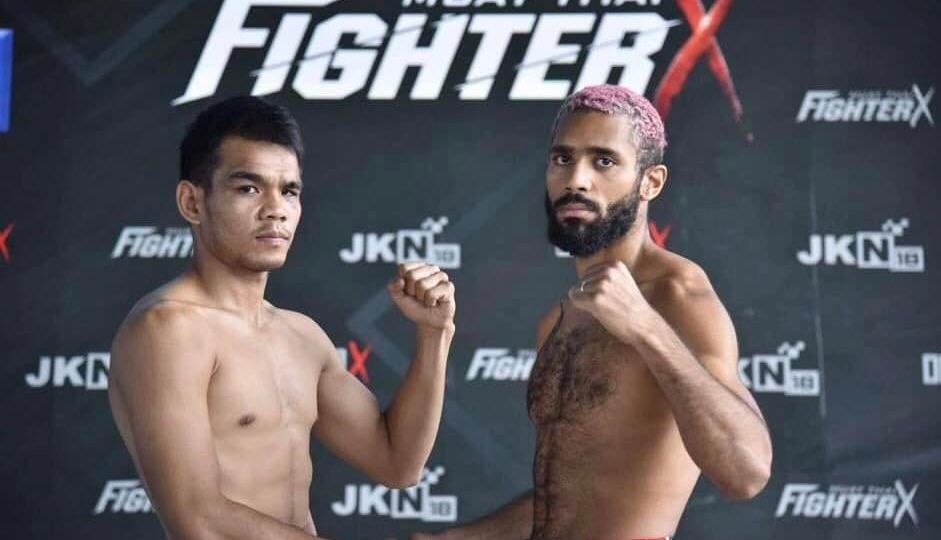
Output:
x,y
215,391
635,387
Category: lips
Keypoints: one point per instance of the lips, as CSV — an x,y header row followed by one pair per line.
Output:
x,y
275,238
574,211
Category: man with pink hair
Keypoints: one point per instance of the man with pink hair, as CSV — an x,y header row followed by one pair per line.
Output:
x,y
635,388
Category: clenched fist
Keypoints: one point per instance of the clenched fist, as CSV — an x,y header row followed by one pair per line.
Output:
x,y
424,294
608,291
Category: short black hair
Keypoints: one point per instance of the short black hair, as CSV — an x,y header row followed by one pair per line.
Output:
x,y
248,117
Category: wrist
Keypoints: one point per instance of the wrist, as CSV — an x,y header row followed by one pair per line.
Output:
x,y
641,328
444,329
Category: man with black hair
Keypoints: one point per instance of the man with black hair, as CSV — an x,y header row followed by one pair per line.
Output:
x,y
215,391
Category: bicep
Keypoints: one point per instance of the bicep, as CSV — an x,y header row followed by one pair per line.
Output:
x,y
161,383
349,421
705,327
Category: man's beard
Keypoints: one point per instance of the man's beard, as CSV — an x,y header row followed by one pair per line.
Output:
x,y
582,239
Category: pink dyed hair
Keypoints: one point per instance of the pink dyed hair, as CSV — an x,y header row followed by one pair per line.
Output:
x,y
647,128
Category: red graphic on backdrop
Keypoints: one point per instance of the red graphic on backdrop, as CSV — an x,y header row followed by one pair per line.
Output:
x,y
358,360
659,235
4,234
703,41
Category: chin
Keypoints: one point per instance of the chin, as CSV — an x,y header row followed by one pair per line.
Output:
x,y
263,264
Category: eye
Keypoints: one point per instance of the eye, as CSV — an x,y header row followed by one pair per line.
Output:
x,y
560,159
291,192
248,188
605,162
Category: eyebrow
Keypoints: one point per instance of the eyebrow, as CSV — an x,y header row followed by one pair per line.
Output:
x,y
256,178
562,148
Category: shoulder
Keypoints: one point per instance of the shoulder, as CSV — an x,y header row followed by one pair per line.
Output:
x,y
303,326
684,296
162,340
679,282
162,319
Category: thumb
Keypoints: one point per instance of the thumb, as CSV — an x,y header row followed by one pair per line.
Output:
x,y
397,287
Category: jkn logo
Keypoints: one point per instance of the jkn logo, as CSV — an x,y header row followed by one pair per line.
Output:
x,y
871,250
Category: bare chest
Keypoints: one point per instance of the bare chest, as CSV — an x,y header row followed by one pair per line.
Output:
x,y
263,381
582,373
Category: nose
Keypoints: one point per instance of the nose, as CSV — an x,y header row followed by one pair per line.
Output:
x,y
274,207
579,178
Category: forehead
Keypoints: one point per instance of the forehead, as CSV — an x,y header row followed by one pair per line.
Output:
x,y
264,158
582,129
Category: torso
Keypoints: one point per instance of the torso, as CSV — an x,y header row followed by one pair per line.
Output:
x,y
262,405
609,461
262,401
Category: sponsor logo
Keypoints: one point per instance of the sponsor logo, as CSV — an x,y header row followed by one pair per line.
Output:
x,y
404,246
499,365
148,243
331,68
123,497
89,371
415,502
931,369
4,238
871,250
6,77
907,106
773,373
877,503
353,357
379,53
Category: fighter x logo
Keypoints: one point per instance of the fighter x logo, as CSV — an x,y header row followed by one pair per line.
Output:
x,y
922,101
4,234
358,361
905,503
703,41
659,235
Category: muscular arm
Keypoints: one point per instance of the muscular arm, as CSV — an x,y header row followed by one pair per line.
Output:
x,y
391,447
690,347
159,377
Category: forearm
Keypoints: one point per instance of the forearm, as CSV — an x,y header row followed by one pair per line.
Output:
x,y
723,433
415,411
230,520
511,522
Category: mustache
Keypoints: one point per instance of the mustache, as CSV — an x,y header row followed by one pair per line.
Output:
x,y
576,198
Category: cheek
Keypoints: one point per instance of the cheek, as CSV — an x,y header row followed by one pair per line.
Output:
x,y
228,217
553,184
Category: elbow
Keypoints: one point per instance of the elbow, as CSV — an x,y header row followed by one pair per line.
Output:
x,y
400,473
750,479
744,489
400,470
402,478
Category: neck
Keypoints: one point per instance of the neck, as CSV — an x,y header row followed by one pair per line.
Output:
x,y
629,249
233,289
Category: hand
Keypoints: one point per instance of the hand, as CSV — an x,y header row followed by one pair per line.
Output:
x,y
608,291
424,294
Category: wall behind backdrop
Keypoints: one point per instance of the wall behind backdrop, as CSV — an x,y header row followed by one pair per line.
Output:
x,y
803,165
